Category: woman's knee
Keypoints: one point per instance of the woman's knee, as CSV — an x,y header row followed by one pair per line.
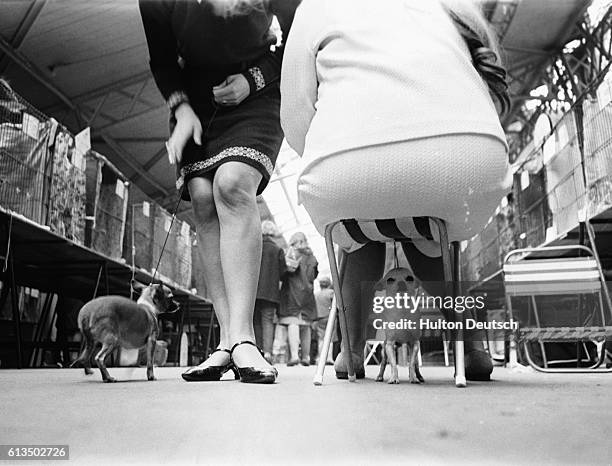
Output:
x,y
234,188
202,200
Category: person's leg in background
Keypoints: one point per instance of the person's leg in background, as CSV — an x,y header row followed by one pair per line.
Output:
x,y
293,336
267,313
314,343
364,266
305,336
478,364
279,345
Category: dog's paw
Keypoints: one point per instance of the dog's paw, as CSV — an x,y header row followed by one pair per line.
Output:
x,y
415,380
379,378
151,378
110,380
393,380
88,372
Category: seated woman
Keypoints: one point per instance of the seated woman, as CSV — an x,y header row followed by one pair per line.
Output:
x,y
393,111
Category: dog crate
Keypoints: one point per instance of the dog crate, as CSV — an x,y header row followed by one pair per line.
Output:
x,y
24,156
165,256
106,207
175,263
138,238
598,154
147,227
183,236
66,215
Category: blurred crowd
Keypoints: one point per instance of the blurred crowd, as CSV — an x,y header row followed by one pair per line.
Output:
x,y
290,315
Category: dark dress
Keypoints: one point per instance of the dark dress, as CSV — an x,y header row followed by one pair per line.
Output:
x,y
297,295
192,49
273,269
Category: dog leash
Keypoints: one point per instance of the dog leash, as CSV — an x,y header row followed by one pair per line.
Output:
x,y
8,244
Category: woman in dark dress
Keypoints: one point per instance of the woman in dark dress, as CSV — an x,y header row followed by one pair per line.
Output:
x,y
213,63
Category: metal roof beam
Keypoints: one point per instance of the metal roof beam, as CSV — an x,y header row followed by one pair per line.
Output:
x,y
152,161
109,88
38,75
134,165
135,116
22,30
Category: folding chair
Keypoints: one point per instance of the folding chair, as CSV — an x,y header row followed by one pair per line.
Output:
x,y
551,276
406,229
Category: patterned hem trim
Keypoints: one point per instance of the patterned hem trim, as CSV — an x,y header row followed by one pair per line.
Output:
x,y
258,77
237,151
176,99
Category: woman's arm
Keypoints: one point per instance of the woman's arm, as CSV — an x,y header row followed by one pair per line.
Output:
x,y
163,53
313,269
299,78
268,69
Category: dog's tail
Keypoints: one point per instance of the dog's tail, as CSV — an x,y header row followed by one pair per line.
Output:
x,y
87,347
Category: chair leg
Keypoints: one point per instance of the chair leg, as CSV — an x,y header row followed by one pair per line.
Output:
x,y
460,380
331,320
346,343
329,330
451,276
445,345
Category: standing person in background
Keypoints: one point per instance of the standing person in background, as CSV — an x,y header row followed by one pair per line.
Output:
x,y
323,299
273,268
298,308
212,62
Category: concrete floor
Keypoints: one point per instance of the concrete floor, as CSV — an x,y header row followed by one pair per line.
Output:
x,y
518,418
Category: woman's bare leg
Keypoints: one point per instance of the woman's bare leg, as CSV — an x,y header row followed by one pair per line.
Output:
x,y
207,227
234,190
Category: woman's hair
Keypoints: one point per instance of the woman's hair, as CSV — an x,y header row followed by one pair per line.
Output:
x,y
268,228
482,45
235,7
296,237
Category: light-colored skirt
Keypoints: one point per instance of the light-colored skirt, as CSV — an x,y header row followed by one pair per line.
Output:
x,y
458,178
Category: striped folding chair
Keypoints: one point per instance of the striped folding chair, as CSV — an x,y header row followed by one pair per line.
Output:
x,y
557,276
430,233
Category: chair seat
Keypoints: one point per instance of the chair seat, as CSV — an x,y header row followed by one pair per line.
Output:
x,y
421,231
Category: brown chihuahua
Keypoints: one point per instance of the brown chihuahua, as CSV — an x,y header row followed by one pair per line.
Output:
x,y
399,282
114,321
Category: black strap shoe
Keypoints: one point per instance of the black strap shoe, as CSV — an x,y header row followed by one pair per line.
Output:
x,y
210,373
252,374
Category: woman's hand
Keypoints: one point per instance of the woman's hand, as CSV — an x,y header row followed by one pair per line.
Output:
x,y
187,125
232,91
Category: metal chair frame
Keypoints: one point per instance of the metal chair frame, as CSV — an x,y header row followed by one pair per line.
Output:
x,y
451,274
601,293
